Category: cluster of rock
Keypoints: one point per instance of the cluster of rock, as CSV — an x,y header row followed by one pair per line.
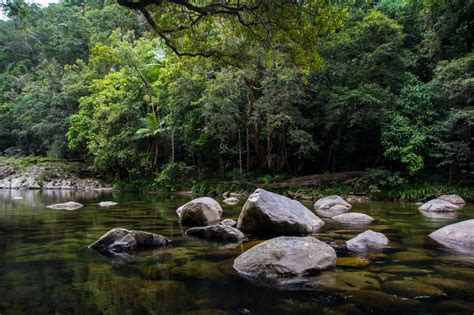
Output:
x,y
444,203
45,177
292,254
72,205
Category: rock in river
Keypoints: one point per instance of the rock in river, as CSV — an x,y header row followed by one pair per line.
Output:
x,y
454,199
353,218
456,235
107,203
368,240
231,201
438,205
229,222
330,201
265,212
330,206
200,211
121,240
219,233
71,205
286,257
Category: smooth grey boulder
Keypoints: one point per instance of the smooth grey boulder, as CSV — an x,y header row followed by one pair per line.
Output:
x,y
231,201
229,222
331,201
438,205
368,240
456,235
119,240
354,218
107,203
265,212
71,205
330,206
218,233
200,211
454,199
286,256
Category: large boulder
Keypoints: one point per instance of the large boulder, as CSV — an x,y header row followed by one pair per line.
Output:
x,y
265,212
456,235
200,211
285,256
119,240
438,205
368,240
353,218
454,199
71,205
218,233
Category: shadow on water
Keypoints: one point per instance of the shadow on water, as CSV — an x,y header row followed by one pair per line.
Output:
x,y
46,267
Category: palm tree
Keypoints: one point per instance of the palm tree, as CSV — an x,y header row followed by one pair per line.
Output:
x,y
151,128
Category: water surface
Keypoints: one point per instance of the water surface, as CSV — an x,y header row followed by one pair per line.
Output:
x,y
46,267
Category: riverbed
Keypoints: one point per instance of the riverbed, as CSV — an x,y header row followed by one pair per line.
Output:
x,y
46,267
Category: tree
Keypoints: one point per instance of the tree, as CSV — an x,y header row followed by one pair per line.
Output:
x,y
151,128
231,31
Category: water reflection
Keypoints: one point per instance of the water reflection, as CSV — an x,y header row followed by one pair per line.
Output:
x,y
46,267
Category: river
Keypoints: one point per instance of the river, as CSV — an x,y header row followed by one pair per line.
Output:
x,y
46,267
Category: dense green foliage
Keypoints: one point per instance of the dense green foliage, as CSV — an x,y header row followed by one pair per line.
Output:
x,y
313,88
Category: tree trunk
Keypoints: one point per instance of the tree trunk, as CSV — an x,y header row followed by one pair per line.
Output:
x,y
155,160
221,167
240,155
172,145
247,140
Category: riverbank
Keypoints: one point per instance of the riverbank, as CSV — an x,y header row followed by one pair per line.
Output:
x,y
46,173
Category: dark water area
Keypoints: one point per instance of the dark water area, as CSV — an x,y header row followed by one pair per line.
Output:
x,y
46,267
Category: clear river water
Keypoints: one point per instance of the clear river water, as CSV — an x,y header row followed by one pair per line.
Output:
x,y
46,267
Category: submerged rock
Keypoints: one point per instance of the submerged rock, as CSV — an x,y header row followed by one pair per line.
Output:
x,y
412,288
368,240
265,212
352,261
218,233
121,240
438,205
353,218
200,211
107,203
377,302
456,235
344,280
231,201
229,222
285,257
407,256
454,199
71,205
439,215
